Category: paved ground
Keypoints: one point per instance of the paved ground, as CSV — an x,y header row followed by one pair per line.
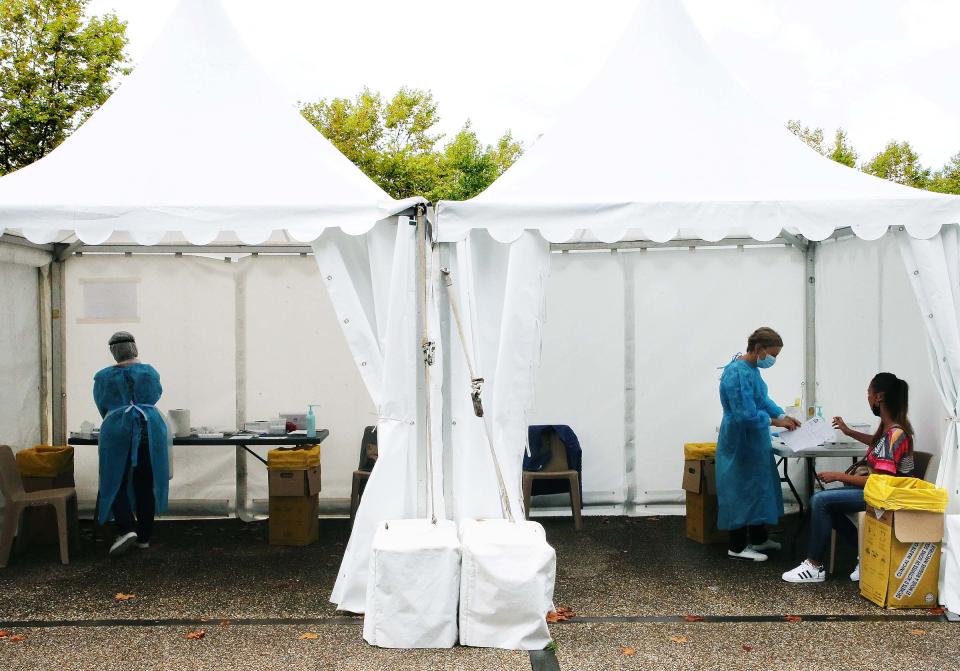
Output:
x,y
631,581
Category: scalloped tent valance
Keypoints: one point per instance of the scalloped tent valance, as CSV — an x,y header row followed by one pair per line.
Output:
x,y
196,141
666,144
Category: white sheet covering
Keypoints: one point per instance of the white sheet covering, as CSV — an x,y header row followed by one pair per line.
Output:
x,y
20,358
506,584
934,268
197,139
372,284
714,163
413,585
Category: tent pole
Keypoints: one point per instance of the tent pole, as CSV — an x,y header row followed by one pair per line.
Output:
x,y
240,353
425,482
629,386
43,321
58,362
810,325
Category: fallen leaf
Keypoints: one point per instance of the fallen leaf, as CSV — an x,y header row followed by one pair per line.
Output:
x,y
693,618
123,597
629,652
561,614
309,635
196,635
918,632
4,634
939,610
792,618
653,519
16,638
747,648
679,639
224,623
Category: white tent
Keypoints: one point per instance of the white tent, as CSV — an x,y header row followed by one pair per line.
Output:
x,y
680,151
664,144
197,141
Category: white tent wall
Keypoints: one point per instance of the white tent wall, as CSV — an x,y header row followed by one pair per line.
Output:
x,y
20,365
867,322
650,310
187,328
581,377
693,312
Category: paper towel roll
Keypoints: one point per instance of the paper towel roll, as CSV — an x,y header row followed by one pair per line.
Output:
x,y
181,423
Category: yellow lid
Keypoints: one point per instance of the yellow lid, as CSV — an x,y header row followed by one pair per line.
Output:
x,y
293,458
694,451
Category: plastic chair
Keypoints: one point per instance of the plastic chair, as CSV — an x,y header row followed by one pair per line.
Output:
x,y
556,469
368,458
921,464
17,500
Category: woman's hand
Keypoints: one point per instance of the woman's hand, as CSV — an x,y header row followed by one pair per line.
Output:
x,y
788,423
841,426
831,476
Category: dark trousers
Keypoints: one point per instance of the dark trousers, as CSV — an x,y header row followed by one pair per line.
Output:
x,y
142,480
738,537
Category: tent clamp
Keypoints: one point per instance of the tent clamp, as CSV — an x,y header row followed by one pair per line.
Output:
x,y
476,386
429,348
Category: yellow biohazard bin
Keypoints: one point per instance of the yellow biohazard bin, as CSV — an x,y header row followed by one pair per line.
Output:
x,y
700,484
903,528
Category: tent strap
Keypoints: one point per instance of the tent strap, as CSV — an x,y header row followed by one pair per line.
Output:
x,y
476,389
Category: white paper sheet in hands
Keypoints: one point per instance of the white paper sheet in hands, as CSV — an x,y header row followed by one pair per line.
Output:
x,y
813,432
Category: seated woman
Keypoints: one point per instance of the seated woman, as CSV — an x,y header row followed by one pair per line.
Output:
x,y
890,453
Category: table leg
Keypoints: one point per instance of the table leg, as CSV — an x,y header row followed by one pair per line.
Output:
x,y
811,469
793,490
241,485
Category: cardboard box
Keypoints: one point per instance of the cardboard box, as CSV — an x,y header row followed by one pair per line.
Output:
x,y
294,520
40,524
900,558
700,483
305,482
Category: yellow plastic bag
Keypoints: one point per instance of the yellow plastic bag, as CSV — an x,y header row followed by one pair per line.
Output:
x,y
45,461
293,458
697,451
888,492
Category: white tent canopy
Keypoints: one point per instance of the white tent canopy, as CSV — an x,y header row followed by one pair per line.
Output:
x,y
664,144
196,141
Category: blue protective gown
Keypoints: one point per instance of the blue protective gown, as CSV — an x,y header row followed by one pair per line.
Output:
x,y
748,485
126,395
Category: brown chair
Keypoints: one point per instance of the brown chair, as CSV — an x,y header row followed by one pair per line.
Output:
x,y
16,500
557,468
368,458
921,464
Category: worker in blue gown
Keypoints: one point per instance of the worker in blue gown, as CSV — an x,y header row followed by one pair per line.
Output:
x,y
748,485
134,463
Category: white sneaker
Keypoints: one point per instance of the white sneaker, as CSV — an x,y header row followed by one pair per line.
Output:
x,y
766,546
747,554
855,576
806,572
123,543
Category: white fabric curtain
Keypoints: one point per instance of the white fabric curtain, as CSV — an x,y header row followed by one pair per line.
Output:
x,y
934,268
500,290
371,280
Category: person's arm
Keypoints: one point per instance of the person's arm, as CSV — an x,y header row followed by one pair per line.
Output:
x,y
841,426
849,480
738,389
98,389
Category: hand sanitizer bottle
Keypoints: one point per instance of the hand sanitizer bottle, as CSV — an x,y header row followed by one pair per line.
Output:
x,y
311,422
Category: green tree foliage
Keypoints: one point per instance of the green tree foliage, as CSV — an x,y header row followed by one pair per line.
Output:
x,y
812,137
56,67
841,150
947,180
396,144
899,163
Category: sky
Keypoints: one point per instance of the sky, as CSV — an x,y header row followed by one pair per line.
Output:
x,y
881,69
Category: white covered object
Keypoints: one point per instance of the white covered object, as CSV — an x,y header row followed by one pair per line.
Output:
x,y
713,163
196,139
506,584
413,585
